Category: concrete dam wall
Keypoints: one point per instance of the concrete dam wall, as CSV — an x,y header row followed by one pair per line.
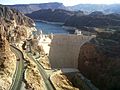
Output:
x,y
64,50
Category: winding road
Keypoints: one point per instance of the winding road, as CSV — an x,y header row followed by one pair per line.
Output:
x,y
17,78
45,77
16,84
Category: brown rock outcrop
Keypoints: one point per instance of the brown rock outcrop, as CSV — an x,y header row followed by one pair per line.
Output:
x,y
61,82
33,78
17,25
7,62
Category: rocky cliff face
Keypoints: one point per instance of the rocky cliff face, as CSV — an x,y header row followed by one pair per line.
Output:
x,y
7,61
14,26
99,61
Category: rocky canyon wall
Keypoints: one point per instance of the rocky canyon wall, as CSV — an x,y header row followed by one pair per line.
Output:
x,y
13,26
7,61
16,24
99,61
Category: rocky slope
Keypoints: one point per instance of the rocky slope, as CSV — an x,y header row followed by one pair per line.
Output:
x,y
99,61
57,15
17,25
61,82
32,77
95,19
7,62
14,27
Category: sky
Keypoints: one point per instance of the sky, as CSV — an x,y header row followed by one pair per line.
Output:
x,y
65,2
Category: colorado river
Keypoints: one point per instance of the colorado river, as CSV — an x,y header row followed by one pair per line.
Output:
x,y
48,28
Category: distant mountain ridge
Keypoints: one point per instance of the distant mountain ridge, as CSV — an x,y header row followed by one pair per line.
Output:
x,y
77,18
95,19
29,8
57,15
112,8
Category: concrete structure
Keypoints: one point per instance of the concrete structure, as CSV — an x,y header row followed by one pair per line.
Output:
x,y
77,32
64,50
44,42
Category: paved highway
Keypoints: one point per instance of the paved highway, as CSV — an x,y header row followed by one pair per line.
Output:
x,y
19,69
43,73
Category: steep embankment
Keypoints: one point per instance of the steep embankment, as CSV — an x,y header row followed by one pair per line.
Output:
x,y
32,77
7,62
17,25
14,27
99,61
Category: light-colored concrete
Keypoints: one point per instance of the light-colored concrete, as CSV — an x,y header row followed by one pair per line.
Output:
x,y
64,50
44,43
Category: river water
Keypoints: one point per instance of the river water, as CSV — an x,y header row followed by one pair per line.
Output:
x,y
48,28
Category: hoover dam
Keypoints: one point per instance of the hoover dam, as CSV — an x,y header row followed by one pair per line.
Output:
x,y
59,59
63,50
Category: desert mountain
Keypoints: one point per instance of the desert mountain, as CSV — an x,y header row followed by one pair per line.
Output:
x,y
77,18
57,15
28,8
88,8
112,8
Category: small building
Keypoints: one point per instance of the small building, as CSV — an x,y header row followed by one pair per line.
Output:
x,y
77,32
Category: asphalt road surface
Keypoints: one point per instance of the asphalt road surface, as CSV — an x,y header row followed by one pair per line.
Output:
x,y
17,79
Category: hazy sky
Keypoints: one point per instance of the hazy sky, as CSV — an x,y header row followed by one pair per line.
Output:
x,y
65,2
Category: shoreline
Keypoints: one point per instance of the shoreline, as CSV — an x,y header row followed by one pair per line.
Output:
x,y
69,28
54,23
58,23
